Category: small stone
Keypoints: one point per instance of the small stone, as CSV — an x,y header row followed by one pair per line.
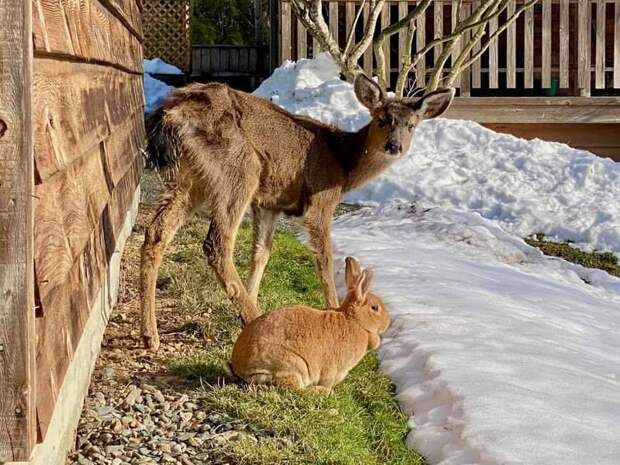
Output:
x,y
159,397
167,458
186,416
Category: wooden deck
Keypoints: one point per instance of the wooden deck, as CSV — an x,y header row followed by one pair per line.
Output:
x,y
589,123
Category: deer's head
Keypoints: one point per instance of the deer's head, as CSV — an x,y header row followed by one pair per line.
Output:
x,y
394,120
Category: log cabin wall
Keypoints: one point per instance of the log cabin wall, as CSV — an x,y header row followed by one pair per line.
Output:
x,y
88,128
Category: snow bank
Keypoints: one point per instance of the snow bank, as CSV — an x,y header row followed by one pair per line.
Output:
x,y
156,91
525,186
500,355
159,66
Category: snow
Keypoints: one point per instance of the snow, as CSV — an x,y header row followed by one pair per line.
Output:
x,y
525,186
499,354
156,91
159,66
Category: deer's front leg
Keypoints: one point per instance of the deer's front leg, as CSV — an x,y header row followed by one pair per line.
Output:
x,y
318,221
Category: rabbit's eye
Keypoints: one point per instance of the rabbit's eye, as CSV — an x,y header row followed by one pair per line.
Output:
x,y
375,308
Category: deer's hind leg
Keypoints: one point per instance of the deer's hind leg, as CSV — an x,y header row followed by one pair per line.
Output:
x,y
171,214
227,209
263,222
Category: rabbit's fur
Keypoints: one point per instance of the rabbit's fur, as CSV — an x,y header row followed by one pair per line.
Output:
x,y
302,347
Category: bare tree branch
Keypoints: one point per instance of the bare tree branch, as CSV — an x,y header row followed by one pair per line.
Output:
x,y
347,46
375,10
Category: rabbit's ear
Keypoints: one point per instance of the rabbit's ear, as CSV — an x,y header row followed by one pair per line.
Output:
x,y
362,286
352,271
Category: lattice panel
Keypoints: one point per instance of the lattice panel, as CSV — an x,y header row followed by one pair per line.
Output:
x,y
167,31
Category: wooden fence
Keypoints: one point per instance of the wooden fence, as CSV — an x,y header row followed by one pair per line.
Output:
x,y
71,129
571,47
167,31
229,60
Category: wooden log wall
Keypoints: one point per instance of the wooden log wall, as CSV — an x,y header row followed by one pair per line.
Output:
x,y
88,129
573,42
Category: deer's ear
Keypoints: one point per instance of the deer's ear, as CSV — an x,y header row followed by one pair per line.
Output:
x,y
435,103
368,92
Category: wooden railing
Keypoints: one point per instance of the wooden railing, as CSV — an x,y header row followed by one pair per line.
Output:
x,y
217,61
558,47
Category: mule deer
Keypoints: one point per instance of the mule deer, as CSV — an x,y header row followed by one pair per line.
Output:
x,y
230,150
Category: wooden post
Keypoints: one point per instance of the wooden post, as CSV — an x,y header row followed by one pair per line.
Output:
x,y
617,44
564,43
438,8
17,415
367,60
493,56
420,42
600,45
456,51
285,32
385,22
528,50
583,51
476,66
511,49
546,44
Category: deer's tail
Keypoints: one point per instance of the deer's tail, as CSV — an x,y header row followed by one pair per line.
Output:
x,y
164,147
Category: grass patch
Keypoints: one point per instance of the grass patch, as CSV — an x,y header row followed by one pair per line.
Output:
x,y
606,261
359,423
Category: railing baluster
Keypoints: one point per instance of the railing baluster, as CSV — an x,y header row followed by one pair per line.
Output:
x,y
564,43
349,17
302,45
600,45
511,48
285,33
420,42
333,19
368,52
546,44
528,58
385,22
438,9
493,60
465,74
617,45
403,9
583,49
456,51
476,68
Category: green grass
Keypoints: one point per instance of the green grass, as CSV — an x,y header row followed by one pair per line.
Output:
x,y
359,423
606,261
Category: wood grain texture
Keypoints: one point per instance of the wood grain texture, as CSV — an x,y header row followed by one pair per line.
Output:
x,y
285,31
617,44
403,9
333,19
528,49
367,58
438,9
546,44
600,45
84,30
466,73
493,57
66,302
17,416
511,48
76,106
564,43
583,47
476,81
420,42
587,110
456,51
302,45
385,22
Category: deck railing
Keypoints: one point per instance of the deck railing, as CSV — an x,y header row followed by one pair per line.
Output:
x,y
557,47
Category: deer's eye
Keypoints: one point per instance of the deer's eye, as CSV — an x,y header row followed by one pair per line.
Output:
x,y
374,308
383,122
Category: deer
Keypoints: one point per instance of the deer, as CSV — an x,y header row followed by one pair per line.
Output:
x,y
228,150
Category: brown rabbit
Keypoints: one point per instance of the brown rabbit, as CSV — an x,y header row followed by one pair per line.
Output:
x,y
302,347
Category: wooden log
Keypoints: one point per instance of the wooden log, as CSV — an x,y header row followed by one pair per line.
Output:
x,y
86,31
564,43
511,48
76,105
528,50
17,394
600,45
285,31
583,48
546,44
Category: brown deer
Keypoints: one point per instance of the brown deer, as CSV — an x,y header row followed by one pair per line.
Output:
x,y
230,150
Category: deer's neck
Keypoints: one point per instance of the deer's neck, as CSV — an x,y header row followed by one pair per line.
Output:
x,y
361,159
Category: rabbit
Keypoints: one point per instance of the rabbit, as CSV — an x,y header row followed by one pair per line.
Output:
x,y
303,347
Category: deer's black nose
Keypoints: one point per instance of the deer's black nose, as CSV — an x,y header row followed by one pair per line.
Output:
x,y
393,147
